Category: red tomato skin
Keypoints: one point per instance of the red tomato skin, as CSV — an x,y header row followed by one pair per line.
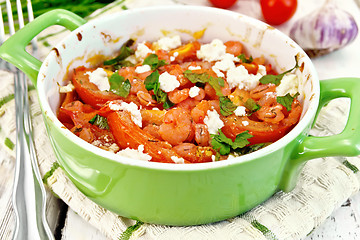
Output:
x,y
276,12
223,3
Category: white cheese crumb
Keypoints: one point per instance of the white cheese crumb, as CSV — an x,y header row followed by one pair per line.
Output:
x,y
142,69
142,51
245,123
132,108
177,159
194,68
168,82
194,91
289,84
135,153
262,70
168,43
239,77
226,63
240,111
213,158
67,88
100,78
212,52
172,58
213,121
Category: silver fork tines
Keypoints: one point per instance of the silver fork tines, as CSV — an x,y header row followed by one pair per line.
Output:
x,y
29,196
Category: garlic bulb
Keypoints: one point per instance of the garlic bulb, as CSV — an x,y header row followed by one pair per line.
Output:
x,y
324,30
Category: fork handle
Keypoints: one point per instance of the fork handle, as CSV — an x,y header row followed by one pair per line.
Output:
x,y
13,50
29,196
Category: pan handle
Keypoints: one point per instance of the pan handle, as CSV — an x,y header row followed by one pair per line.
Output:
x,y
346,143
13,49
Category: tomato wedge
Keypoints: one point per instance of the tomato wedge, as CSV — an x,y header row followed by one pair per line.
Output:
x,y
88,91
128,134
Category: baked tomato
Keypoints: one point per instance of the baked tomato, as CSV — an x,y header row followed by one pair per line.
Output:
x,y
276,12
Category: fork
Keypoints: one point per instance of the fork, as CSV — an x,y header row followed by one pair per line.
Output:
x,y
29,195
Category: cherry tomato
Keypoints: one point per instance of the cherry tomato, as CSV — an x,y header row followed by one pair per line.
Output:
x,y
276,12
223,3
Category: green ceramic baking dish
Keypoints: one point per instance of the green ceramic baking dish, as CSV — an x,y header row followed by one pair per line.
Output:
x,y
181,194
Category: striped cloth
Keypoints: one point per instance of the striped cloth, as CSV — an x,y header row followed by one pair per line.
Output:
x,y
324,184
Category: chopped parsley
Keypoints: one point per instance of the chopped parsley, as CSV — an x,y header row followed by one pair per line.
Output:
x,y
153,61
243,58
225,145
215,82
287,100
119,85
276,79
152,83
125,51
99,121
251,105
227,107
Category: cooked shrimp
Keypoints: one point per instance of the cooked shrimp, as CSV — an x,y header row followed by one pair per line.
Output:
x,y
177,96
202,136
176,126
234,47
261,90
152,116
270,111
294,114
199,112
145,98
195,154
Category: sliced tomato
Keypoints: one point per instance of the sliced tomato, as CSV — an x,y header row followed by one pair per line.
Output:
x,y
128,134
262,132
89,92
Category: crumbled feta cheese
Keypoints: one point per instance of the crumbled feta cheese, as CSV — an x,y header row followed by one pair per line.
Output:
x,y
67,88
135,153
168,82
225,64
177,159
213,122
289,84
240,111
213,158
194,67
172,58
245,123
212,52
132,108
239,77
142,51
168,43
194,91
100,78
142,69
262,70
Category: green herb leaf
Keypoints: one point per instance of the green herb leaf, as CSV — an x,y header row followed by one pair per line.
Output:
x,y
243,58
224,145
125,51
216,83
287,100
276,79
153,61
226,106
99,121
119,85
152,83
241,140
251,105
